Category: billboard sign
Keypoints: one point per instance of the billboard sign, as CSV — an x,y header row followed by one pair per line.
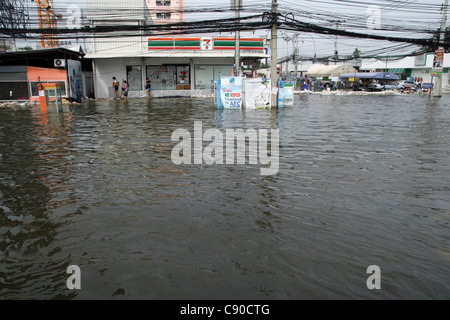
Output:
x,y
231,92
75,80
438,63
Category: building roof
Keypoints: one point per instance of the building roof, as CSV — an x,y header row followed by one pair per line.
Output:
x,y
76,51
329,71
424,61
180,54
44,58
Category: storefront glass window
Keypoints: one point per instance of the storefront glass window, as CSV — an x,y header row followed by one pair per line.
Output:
x,y
35,91
168,77
183,75
204,75
162,77
13,91
225,71
134,78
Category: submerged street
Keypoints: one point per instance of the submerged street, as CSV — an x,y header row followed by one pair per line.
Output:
x,y
362,181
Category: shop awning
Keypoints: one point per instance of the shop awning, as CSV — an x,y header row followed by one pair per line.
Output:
x,y
329,71
397,70
180,54
370,75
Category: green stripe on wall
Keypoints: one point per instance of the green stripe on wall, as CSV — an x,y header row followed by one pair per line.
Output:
x,y
160,43
187,43
224,43
242,43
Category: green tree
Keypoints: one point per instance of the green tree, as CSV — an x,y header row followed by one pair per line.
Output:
x,y
27,48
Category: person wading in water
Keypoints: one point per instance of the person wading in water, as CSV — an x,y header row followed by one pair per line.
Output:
x,y
116,85
148,87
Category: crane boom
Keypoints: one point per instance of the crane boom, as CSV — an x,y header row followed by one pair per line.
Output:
x,y
47,20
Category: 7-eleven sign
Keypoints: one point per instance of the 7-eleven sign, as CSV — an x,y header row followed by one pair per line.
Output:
x,y
206,43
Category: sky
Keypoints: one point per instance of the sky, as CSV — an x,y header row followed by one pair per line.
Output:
x,y
406,18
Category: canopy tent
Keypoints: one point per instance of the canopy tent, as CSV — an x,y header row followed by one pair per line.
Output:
x,y
370,75
329,71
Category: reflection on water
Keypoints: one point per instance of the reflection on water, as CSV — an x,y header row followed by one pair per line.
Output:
x,y
362,181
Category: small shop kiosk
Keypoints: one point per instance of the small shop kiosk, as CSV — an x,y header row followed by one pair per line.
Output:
x,y
50,97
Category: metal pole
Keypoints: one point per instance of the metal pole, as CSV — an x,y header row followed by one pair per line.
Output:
x,y
274,55
237,40
438,87
336,52
295,60
287,56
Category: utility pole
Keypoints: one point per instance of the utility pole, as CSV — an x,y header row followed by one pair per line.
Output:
x,y
336,52
287,55
295,59
273,49
438,81
237,7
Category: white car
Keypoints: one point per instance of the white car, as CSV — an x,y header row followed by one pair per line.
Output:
x,y
375,86
406,85
390,86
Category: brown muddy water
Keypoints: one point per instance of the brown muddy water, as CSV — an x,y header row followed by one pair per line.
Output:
x,y
362,181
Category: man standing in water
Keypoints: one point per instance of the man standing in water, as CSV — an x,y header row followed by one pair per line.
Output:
x,y
148,87
116,85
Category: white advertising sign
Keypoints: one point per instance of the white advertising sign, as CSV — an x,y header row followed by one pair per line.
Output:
x,y
231,92
257,93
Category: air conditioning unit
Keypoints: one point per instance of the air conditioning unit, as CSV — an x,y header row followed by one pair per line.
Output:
x,y
60,63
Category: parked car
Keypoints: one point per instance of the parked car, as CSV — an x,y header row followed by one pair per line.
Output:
x,y
374,86
406,85
390,86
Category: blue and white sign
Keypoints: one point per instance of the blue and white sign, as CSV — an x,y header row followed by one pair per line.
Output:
x,y
231,92
285,97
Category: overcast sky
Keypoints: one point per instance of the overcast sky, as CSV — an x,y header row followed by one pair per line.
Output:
x,y
422,14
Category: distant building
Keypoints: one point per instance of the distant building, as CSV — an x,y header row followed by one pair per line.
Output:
x,y
166,11
418,67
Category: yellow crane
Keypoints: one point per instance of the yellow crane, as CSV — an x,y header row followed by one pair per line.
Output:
x,y
47,20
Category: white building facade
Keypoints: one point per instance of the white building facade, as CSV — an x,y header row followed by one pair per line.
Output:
x,y
176,65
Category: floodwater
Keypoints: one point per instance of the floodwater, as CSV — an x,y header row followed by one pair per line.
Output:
x,y
362,181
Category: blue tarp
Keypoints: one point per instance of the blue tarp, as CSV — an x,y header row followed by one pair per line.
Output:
x,y
370,75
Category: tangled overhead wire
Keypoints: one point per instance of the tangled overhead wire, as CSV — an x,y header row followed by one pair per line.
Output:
x,y
317,23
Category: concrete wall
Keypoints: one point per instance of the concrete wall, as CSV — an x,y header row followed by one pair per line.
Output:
x,y
426,75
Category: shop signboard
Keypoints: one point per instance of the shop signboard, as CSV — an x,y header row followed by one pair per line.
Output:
x,y
231,92
206,43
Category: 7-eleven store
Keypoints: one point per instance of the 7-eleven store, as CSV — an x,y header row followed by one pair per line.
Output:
x,y
176,66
